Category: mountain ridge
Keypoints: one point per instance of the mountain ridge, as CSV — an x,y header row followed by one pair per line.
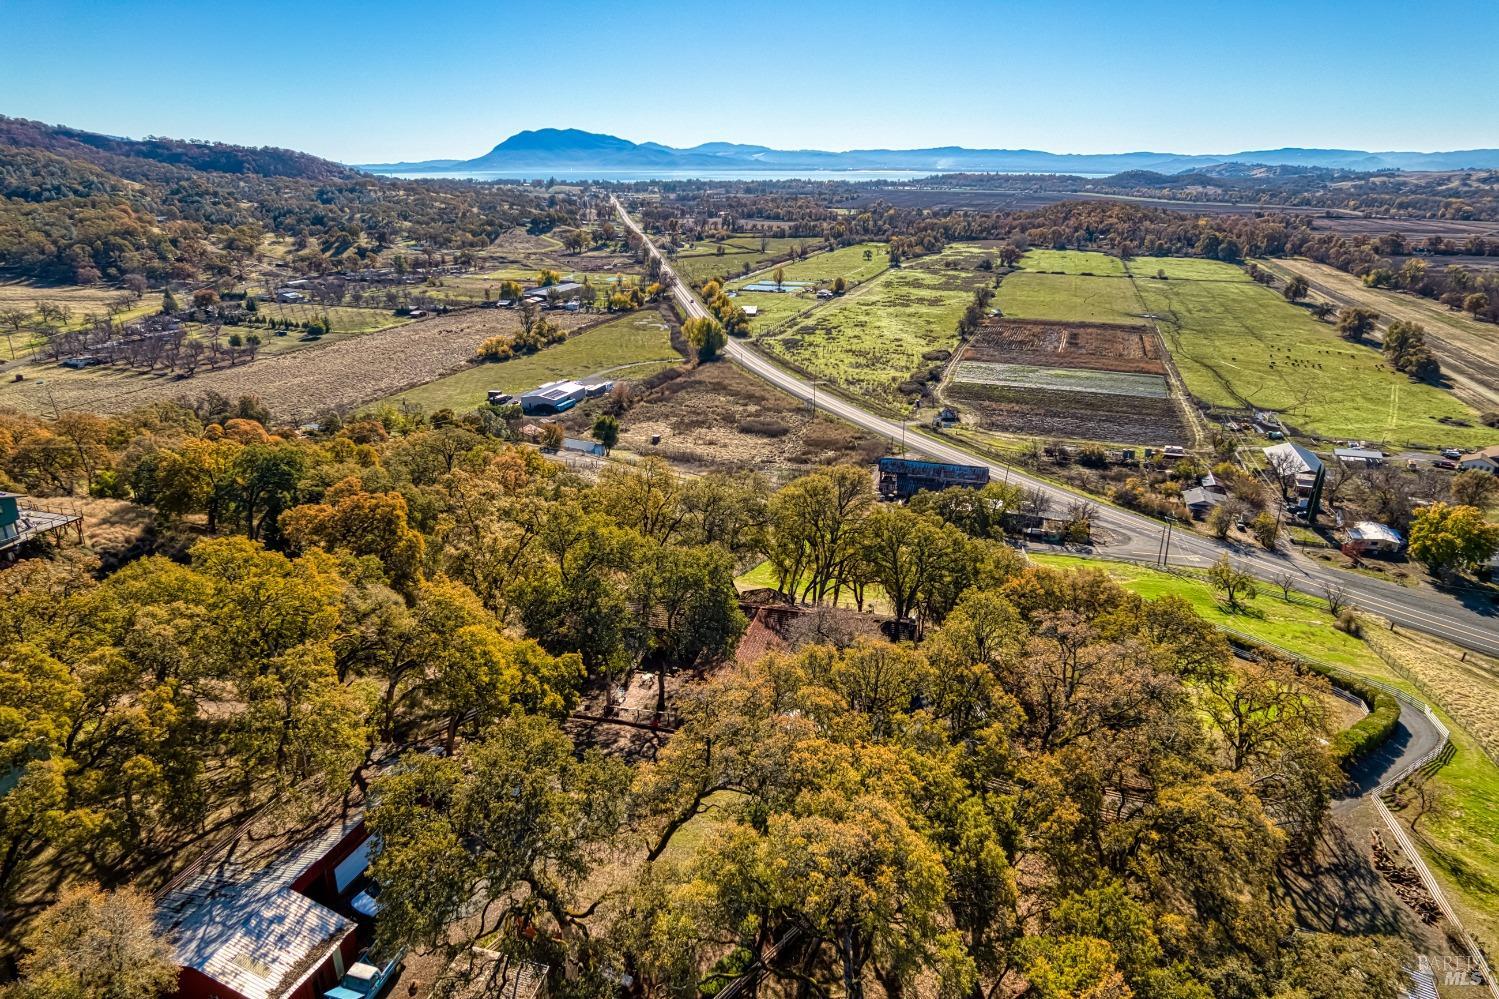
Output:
x,y
576,149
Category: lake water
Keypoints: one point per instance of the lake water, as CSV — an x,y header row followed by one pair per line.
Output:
x,y
629,176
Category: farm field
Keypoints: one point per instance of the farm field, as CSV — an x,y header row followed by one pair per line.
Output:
x,y
716,417
345,319
803,278
334,374
1072,262
1185,269
1083,382
631,346
1238,345
846,262
1075,345
1467,348
742,254
872,340
1461,839
1068,298
1027,376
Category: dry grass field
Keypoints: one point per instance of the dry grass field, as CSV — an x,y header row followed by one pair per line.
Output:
x,y
296,385
716,417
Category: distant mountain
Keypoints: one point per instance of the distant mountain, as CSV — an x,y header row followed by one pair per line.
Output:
x,y
573,150
118,155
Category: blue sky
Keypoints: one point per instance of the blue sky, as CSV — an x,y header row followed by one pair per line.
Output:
x,y
383,80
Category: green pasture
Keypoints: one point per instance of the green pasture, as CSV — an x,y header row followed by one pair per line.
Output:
x,y
871,340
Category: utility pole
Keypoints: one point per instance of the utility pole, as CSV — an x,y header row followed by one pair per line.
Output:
x,y
1163,551
56,415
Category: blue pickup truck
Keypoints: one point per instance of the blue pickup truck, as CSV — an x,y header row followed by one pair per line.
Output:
x,y
366,978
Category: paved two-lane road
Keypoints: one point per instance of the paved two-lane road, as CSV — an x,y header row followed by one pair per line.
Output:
x,y
1126,535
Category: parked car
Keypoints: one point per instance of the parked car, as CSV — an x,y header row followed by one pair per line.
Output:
x,y
367,902
1444,463
366,978
1452,454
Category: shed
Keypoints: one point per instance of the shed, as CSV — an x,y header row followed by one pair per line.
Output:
x,y
581,446
1359,457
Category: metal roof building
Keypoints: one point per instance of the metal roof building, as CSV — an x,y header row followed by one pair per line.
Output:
x,y
1300,458
246,926
1358,456
553,397
1369,536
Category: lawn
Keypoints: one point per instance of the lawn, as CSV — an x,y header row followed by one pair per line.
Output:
x,y
1301,624
345,319
871,340
764,575
1457,327
775,308
1072,262
631,346
1461,839
1186,269
1239,344
1069,297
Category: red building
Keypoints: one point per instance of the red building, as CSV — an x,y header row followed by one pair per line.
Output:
x,y
268,919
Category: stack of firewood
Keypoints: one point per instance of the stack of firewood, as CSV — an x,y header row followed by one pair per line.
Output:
x,y
1406,882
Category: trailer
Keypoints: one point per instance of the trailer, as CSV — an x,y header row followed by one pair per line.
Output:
x,y
902,478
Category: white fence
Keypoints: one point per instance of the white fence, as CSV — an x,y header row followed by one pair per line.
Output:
x,y
1444,737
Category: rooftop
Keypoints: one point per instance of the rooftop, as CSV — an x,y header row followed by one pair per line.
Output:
x,y
1197,496
1303,457
240,922
552,391
1368,530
